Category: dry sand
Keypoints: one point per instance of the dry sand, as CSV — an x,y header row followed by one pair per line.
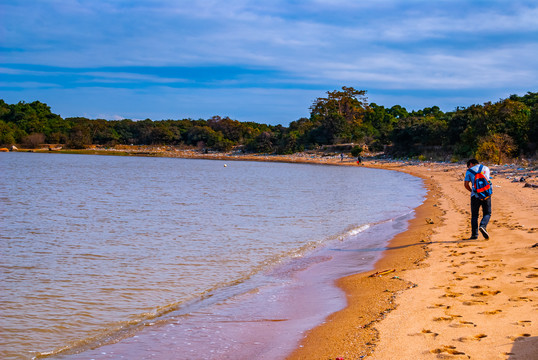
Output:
x,y
448,298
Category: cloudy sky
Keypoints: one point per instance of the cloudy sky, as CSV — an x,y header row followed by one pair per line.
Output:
x,y
263,61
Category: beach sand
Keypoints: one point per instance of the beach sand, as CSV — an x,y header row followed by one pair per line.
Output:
x,y
448,298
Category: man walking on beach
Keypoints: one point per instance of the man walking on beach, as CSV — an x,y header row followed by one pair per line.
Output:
x,y
474,169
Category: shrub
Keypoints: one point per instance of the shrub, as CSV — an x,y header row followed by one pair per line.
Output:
x,y
32,141
496,148
356,151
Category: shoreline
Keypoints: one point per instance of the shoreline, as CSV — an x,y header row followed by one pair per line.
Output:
x,y
351,333
424,261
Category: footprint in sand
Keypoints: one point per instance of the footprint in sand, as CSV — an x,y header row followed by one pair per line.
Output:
x,y
442,318
524,323
425,332
474,302
515,337
472,273
492,312
449,349
460,245
451,294
476,337
463,323
519,298
429,332
495,261
452,316
486,293
436,306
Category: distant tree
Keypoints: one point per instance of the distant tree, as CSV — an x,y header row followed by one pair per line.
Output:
x,y
414,133
33,141
207,137
533,129
503,117
263,143
380,122
289,143
337,116
398,112
79,134
230,129
7,133
4,110
125,130
143,132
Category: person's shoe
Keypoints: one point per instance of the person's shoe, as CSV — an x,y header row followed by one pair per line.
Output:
x,y
484,232
473,237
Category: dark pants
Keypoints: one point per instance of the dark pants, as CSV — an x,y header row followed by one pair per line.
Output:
x,y
476,204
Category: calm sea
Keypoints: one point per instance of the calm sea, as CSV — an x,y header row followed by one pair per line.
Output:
x,y
136,257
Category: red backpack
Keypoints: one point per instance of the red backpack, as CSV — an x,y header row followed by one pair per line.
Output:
x,y
482,186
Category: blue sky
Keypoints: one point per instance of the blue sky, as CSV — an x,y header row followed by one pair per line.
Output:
x,y
262,61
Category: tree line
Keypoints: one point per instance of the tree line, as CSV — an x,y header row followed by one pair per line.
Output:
x,y
496,131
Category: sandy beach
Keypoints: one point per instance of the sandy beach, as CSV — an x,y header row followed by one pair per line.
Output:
x,y
434,294
447,298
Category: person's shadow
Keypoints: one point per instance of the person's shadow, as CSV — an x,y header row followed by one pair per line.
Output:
x,y
524,348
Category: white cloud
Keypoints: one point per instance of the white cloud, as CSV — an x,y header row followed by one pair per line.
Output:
x,y
131,77
388,44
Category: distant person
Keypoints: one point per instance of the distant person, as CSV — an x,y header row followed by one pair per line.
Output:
x,y
341,156
478,182
359,160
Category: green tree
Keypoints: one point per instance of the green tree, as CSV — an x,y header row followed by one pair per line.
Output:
x,y
337,116
263,143
203,136
80,133
415,133
7,133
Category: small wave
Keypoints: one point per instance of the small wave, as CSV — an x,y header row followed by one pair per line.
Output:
x,y
358,230
278,267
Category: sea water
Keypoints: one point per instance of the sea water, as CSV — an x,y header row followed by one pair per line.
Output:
x,y
138,257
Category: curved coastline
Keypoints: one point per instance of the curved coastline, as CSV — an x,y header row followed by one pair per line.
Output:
x,y
379,317
351,332
337,335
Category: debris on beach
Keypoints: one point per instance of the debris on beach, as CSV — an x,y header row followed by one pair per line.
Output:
x,y
381,273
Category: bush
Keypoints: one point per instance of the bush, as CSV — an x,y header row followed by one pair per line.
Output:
x,y
356,151
497,148
32,141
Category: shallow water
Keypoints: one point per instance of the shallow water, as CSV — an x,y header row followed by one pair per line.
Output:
x,y
151,250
